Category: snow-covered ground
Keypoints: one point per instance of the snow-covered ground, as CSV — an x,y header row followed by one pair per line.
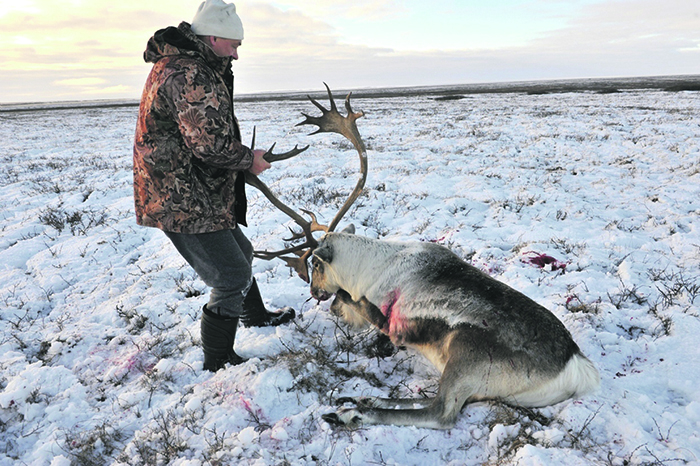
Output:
x,y
99,319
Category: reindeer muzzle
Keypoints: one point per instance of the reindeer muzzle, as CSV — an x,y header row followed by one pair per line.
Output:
x,y
321,295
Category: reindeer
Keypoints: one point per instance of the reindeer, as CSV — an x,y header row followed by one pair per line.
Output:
x,y
489,341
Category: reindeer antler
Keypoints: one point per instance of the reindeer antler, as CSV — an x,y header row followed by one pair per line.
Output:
x,y
330,122
308,228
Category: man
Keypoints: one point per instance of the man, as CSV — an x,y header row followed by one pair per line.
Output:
x,y
189,170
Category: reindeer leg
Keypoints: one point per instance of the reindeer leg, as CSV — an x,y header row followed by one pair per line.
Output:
x,y
440,412
344,306
466,372
371,402
361,313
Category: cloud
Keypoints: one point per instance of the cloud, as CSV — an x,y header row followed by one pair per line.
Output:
x,y
368,10
612,38
80,82
624,23
624,38
293,45
109,91
49,17
268,27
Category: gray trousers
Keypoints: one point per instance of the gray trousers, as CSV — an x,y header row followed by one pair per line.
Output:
x,y
222,259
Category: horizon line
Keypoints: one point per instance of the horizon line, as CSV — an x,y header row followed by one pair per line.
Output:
x,y
671,83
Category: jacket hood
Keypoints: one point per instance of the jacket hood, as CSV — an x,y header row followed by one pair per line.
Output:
x,y
178,41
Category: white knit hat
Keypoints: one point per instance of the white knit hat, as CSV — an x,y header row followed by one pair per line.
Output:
x,y
219,19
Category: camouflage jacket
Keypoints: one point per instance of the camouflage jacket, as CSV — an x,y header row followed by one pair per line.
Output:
x,y
188,155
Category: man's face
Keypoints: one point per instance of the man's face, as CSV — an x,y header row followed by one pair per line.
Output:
x,y
225,47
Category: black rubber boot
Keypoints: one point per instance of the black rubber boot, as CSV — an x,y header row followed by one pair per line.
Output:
x,y
218,334
256,315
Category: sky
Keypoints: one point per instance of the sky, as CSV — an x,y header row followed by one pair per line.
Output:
x,y
63,50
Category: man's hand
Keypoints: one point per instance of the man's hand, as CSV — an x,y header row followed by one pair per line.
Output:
x,y
259,164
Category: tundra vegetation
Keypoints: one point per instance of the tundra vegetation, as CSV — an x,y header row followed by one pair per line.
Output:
x,y
99,353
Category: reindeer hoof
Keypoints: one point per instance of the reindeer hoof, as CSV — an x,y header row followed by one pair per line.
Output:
x,y
381,347
345,399
349,418
361,403
366,402
332,419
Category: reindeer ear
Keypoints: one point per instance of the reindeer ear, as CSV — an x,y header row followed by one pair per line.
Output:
x,y
350,229
324,252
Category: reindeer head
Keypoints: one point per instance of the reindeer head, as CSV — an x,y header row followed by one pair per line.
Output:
x,y
321,259
330,121
324,282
